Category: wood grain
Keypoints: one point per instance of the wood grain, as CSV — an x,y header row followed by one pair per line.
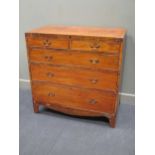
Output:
x,y
96,45
58,42
81,31
76,70
73,97
74,77
86,60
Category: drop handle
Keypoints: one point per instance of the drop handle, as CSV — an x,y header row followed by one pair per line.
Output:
x,y
46,43
95,45
94,81
48,58
92,101
94,61
49,74
51,94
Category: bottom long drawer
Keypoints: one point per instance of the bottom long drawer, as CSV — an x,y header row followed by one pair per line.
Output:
x,y
73,97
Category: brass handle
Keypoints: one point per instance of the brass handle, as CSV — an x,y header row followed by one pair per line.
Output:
x,y
94,61
49,74
95,45
48,58
94,81
51,94
92,101
46,43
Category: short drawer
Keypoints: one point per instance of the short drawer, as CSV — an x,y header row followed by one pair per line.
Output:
x,y
74,77
55,42
86,60
73,97
100,45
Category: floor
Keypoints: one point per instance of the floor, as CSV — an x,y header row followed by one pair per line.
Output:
x,y
51,133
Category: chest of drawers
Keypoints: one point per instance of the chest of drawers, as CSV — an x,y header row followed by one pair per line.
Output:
x,y
76,70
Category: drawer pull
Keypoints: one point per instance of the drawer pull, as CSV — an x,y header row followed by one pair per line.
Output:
x,y
94,61
94,81
92,101
46,43
49,74
48,58
95,45
51,94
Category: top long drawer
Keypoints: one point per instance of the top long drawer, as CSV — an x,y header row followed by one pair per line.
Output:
x,y
78,59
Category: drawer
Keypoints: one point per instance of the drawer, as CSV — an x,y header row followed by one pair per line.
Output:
x,y
100,45
72,97
87,60
56,42
74,76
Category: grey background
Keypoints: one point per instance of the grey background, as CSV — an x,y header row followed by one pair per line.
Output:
x,y
102,13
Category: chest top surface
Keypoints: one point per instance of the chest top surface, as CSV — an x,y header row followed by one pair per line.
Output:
x,y
81,31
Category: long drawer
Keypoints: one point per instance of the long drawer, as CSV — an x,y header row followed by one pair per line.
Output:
x,y
81,59
73,97
74,76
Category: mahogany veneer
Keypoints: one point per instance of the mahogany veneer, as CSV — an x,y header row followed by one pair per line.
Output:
x,y
76,70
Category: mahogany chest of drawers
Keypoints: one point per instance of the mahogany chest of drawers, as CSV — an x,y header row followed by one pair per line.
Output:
x,y
76,70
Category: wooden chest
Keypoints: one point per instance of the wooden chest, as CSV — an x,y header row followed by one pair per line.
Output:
x,y
76,70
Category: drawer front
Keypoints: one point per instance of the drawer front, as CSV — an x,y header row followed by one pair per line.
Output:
x,y
74,76
73,97
87,60
100,45
56,42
